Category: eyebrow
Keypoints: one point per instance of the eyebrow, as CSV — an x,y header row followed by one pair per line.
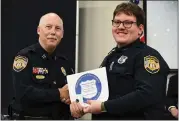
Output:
x,y
53,25
123,20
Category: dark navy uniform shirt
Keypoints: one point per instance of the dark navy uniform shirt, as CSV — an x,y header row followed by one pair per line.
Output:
x,y
37,77
137,76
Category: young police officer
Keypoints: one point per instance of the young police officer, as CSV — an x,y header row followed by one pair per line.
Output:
x,y
137,73
39,75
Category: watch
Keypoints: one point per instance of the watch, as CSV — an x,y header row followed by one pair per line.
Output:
x,y
103,109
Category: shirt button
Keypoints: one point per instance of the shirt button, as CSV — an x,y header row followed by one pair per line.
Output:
x,y
54,82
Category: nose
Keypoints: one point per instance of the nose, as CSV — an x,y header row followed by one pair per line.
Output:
x,y
121,26
52,31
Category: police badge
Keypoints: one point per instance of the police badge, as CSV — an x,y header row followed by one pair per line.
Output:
x,y
20,62
151,64
122,59
63,71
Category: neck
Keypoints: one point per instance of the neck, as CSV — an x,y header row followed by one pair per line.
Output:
x,y
119,45
47,49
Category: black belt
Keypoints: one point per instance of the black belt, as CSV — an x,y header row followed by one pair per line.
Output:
x,y
35,118
24,117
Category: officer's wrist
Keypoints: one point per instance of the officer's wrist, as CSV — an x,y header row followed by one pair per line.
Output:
x,y
60,93
103,109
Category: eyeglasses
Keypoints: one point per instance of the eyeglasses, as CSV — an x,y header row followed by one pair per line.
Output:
x,y
126,24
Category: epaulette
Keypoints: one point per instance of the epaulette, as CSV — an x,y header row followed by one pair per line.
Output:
x,y
24,51
112,50
62,57
66,59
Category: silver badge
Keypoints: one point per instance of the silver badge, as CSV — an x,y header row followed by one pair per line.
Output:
x,y
122,59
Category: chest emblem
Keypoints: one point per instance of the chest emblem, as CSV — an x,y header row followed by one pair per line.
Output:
x,y
63,71
38,70
122,59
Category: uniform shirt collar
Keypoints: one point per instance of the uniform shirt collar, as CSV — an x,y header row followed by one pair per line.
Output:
x,y
136,44
43,53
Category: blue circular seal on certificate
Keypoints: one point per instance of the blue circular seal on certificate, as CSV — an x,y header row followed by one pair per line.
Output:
x,y
88,86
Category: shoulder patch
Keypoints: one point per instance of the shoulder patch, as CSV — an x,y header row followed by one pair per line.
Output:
x,y
151,64
20,62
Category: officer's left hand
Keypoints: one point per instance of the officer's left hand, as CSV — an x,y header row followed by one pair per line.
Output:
x,y
94,107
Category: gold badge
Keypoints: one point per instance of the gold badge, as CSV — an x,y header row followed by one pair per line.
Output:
x,y
63,71
20,62
151,64
40,76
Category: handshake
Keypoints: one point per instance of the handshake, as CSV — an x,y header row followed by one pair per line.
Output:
x,y
77,110
94,107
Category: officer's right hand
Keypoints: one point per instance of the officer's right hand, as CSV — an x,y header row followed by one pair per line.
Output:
x,y
64,94
76,109
174,112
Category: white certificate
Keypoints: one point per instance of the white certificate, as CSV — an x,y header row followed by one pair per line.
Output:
x,y
88,85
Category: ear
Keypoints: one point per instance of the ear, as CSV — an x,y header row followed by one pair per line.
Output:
x,y
62,33
38,30
141,29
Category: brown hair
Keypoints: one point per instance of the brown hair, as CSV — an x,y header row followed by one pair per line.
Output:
x,y
131,9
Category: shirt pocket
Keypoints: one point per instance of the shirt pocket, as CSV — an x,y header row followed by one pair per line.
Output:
x,y
123,70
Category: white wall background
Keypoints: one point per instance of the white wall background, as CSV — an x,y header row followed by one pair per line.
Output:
x,y
162,29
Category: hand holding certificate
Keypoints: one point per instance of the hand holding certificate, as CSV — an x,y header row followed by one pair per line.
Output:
x,y
89,85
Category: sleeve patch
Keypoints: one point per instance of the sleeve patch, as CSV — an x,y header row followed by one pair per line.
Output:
x,y
20,62
151,64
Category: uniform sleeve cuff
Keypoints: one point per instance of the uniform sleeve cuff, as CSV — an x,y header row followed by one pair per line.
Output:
x,y
103,109
56,95
171,107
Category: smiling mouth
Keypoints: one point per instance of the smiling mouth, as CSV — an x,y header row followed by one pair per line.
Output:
x,y
52,38
121,34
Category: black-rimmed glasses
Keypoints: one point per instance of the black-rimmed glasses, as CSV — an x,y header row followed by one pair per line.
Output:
x,y
126,24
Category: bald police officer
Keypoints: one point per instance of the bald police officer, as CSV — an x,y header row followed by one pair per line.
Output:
x,y
39,75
